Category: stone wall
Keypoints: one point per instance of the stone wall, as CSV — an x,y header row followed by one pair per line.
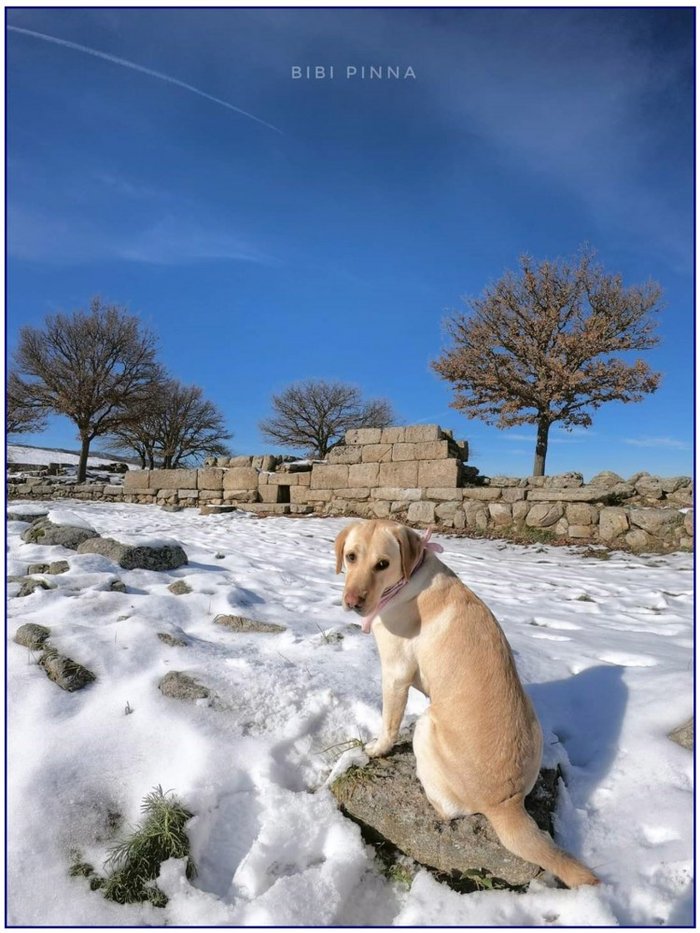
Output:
x,y
417,474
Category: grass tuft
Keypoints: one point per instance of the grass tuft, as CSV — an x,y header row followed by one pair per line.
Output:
x,y
133,865
347,783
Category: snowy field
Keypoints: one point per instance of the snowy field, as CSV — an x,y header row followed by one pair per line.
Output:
x,y
604,648
42,456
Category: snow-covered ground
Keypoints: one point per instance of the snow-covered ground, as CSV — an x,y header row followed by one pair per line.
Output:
x,y
604,647
42,456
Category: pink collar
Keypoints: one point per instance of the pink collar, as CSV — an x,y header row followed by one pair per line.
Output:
x,y
391,592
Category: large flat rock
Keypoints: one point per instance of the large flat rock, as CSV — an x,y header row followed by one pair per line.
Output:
x,y
163,555
47,532
387,797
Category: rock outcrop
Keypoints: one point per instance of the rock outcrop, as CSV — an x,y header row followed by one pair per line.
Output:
x,y
162,556
47,532
387,797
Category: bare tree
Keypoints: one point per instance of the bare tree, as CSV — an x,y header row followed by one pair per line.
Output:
x,y
24,414
94,367
175,426
540,347
313,415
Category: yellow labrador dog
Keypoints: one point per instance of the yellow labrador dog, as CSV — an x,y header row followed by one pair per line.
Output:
x,y
478,746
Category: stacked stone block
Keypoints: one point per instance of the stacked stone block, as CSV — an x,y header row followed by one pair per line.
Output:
x,y
416,474
378,472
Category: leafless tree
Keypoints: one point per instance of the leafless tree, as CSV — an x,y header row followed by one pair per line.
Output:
x,y
542,346
24,414
95,367
176,425
313,415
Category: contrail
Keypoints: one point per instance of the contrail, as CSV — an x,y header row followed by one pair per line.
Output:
x,y
125,63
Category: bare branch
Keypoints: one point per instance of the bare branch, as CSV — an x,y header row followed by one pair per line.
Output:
x,y
314,415
93,367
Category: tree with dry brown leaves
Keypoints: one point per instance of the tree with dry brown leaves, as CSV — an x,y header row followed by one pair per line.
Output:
x,y
550,344
95,367
313,415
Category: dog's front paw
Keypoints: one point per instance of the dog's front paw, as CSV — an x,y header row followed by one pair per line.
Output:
x,y
379,747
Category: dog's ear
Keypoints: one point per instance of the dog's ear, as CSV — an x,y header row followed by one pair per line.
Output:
x,y
410,545
339,545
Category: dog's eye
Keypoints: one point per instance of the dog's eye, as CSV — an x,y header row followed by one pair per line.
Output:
x,y
381,565
350,558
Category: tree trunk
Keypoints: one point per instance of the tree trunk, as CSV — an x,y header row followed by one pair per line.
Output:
x,y
82,463
543,426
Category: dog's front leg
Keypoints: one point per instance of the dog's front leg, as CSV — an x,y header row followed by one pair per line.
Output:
x,y
394,697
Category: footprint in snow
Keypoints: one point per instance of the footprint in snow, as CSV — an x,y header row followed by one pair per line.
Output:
x,y
221,838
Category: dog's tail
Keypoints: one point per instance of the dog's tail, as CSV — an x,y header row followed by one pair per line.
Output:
x,y
520,834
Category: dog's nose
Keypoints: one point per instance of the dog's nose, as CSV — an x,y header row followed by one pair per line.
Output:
x,y
355,600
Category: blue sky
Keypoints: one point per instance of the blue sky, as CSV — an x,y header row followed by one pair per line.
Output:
x,y
331,239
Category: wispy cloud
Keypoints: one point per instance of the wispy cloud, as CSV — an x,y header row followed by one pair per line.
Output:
x,y
560,93
133,66
172,239
668,443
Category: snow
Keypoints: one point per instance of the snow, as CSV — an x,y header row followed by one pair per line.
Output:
x,y
603,646
41,456
68,517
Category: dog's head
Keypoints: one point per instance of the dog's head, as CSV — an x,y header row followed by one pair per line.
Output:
x,y
375,556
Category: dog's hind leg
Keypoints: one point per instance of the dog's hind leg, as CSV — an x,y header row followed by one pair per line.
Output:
x,y
429,773
520,834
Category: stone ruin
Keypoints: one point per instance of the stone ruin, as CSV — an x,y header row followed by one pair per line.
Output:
x,y
417,474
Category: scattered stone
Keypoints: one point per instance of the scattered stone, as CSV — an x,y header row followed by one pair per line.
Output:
x,y
136,556
44,531
684,735
369,795
180,588
172,640
37,568
17,515
29,584
219,556
117,586
181,686
241,624
58,566
65,672
172,508
32,636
